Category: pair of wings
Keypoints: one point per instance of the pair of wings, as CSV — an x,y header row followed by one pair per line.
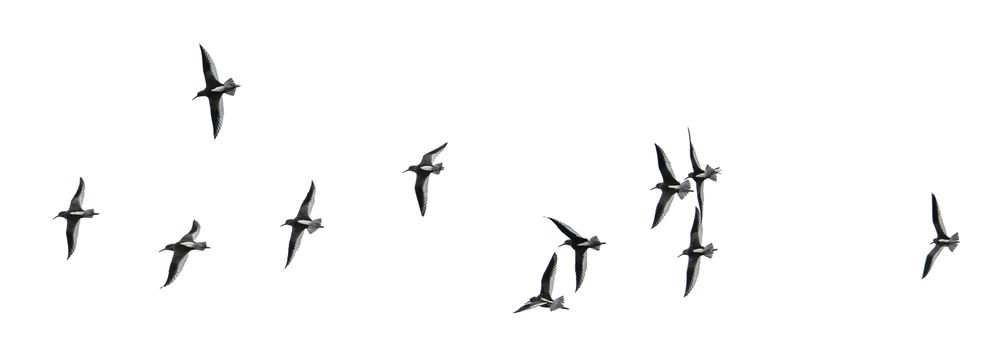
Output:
x,y
180,254
211,81
692,273
297,232
73,223
942,233
580,253
422,178
669,179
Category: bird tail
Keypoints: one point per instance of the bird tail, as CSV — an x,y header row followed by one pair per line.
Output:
x,y
708,251
230,86
89,213
315,225
437,168
596,245
954,242
711,173
684,189
558,304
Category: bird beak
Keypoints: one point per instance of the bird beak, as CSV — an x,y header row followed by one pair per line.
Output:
x,y
285,224
56,217
406,170
195,97
162,250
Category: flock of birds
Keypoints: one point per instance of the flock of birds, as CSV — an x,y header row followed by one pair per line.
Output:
x,y
214,90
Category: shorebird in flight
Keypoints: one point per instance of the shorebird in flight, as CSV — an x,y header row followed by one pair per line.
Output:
x,y
698,174
302,222
422,171
580,245
214,89
669,187
545,298
695,252
942,239
73,216
180,250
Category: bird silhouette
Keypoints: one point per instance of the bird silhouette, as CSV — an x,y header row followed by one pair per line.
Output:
x,y
695,251
422,172
73,217
698,174
669,187
545,298
302,222
942,239
214,89
180,250
580,245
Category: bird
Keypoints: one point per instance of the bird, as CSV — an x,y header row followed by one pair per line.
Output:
x,y
942,239
302,222
698,174
180,250
214,89
73,216
545,299
422,171
669,187
580,245
695,251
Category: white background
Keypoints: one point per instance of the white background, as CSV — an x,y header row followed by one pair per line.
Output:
x,y
833,121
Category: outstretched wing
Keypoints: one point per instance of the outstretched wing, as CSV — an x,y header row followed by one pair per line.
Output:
x,y
210,73
217,112
309,201
568,231
665,167
695,159
931,257
72,231
422,191
430,157
693,272
546,285
700,192
580,266
529,305
696,234
77,203
662,206
192,235
938,222
295,242
176,265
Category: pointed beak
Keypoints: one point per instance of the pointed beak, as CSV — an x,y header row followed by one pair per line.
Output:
x,y
285,224
406,170
161,250
56,217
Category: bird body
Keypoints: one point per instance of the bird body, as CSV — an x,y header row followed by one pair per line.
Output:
x,y
695,251
580,246
73,216
302,222
180,250
545,298
422,171
214,89
941,241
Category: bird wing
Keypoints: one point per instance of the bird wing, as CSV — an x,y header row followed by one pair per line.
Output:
x,y
931,257
210,73
192,235
696,234
176,265
422,190
938,222
692,273
568,231
529,305
77,203
546,284
580,265
72,231
295,241
309,201
700,192
217,112
695,159
665,202
665,167
430,157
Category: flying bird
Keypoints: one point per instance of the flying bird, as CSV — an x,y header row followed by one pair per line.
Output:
x,y
180,250
545,298
942,239
695,251
73,216
214,89
422,171
302,222
669,187
698,175
580,245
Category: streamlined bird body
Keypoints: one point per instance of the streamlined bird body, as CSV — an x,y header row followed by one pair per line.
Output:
x,y
214,89
545,297
302,222
73,217
580,246
695,252
698,174
422,171
942,240
669,187
181,249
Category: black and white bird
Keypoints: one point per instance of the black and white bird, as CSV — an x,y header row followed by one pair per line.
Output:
x,y
669,187
422,172
545,298
695,252
942,239
698,174
180,250
73,216
580,245
214,89
302,222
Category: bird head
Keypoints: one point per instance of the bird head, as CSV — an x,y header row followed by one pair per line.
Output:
x,y
168,247
289,222
201,93
683,252
566,242
62,214
412,168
